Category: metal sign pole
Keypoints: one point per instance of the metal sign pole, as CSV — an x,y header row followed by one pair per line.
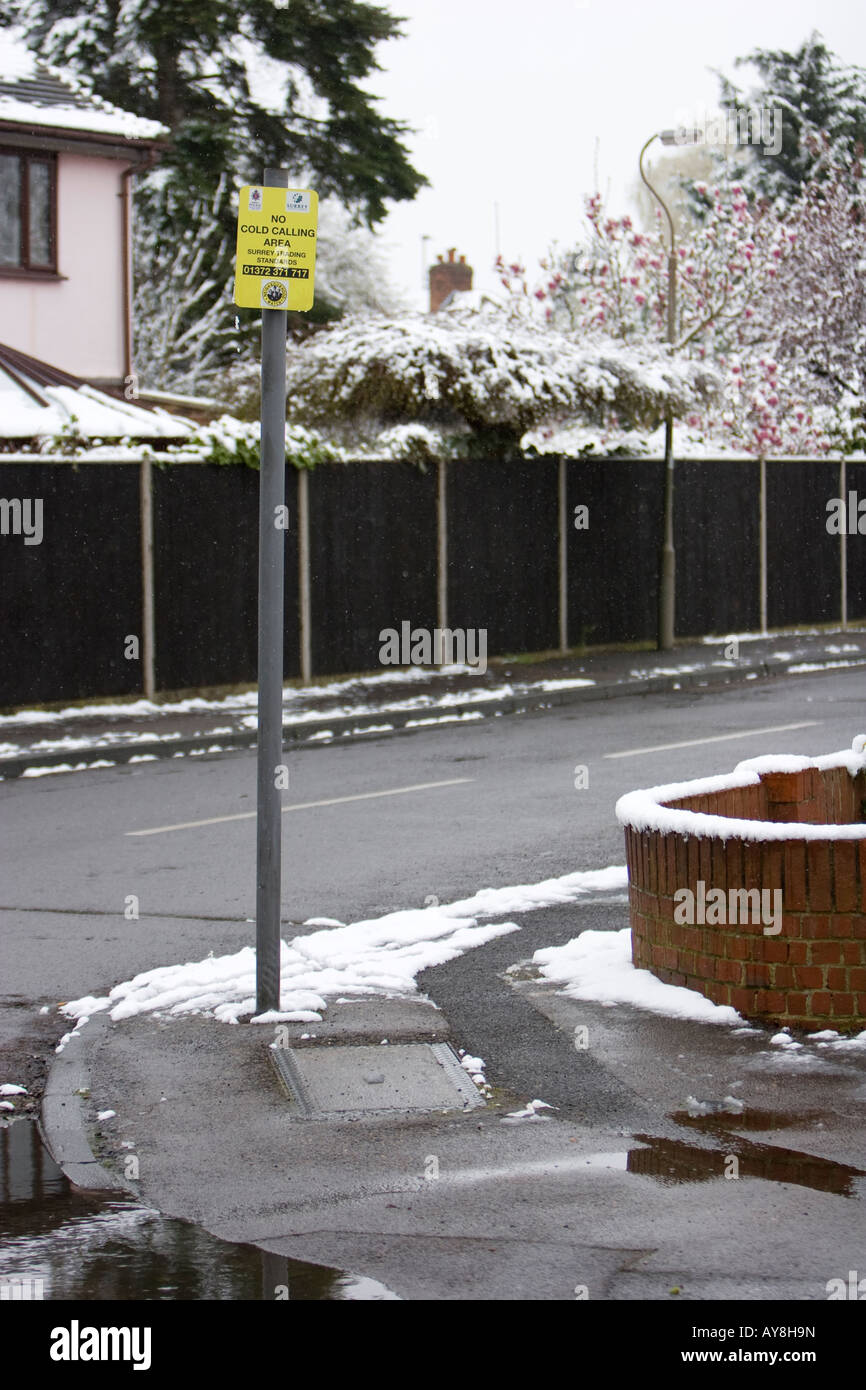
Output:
x,y
272,496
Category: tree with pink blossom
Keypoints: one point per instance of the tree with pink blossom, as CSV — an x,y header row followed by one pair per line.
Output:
x,y
803,341
774,299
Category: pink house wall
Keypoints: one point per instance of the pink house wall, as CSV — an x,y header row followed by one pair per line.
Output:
x,y
76,323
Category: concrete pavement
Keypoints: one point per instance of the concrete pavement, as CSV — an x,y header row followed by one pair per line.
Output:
x,y
623,1191
364,707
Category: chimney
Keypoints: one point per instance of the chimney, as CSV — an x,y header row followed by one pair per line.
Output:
x,y
446,276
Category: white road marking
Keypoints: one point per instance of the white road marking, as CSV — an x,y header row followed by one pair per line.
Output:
x,y
303,806
714,738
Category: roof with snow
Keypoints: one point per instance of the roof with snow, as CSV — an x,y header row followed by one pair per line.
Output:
x,y
34,94
39,401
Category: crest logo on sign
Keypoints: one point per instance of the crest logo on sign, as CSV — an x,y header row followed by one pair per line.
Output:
x,y
274,294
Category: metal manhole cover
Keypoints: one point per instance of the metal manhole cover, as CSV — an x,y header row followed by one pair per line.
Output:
x,y
358,1080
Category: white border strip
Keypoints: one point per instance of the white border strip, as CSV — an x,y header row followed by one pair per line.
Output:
x,y
303,806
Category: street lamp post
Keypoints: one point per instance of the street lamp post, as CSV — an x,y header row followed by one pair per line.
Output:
x,y
667,569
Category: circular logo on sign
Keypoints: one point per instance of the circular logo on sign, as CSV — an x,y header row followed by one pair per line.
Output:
x,y
274,294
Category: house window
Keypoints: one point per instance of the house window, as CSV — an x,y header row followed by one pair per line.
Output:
x,y
28,198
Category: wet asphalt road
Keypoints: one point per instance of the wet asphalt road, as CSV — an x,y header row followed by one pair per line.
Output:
x,y
521,1048
71,865
352,1196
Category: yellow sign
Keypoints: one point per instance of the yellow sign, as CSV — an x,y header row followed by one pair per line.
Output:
x,y
276,262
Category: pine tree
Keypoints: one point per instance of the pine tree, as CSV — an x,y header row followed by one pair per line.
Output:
x,y
816,95
240,84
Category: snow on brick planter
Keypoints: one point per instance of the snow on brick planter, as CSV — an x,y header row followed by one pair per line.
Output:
x,y
793,830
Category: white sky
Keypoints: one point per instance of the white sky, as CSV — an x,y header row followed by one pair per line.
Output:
x,y
515,101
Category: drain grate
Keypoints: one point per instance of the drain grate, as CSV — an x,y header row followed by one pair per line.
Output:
x,y
340,1081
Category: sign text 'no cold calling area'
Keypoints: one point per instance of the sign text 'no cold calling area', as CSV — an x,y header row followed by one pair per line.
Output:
x,y
276,261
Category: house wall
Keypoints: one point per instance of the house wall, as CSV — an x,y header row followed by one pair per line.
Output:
x,y
76,323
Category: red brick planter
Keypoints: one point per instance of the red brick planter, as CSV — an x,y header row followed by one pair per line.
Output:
x,y
784,825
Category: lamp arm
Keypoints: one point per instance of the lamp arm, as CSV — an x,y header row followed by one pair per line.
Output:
x,y
659,199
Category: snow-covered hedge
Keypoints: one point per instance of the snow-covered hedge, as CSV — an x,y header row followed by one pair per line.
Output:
x,y
231,441
475,373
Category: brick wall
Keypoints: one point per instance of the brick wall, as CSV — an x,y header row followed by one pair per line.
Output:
x,y
812,973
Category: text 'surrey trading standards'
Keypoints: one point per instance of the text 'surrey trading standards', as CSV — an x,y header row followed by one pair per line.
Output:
x,y
276,259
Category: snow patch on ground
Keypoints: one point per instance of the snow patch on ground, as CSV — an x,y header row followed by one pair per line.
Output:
x,y
597,966
70,767
475,1068
531,1111
806,667
245,700
380,956
82,1017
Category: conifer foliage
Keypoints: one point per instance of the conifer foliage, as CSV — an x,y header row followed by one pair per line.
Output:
x,y
817,96
240,85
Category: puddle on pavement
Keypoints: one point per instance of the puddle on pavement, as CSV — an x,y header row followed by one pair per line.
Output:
x,y
84,1245
675,1161
766,1120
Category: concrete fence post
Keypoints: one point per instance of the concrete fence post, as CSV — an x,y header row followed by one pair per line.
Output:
x,y
304,601
843,547
442,544
762,542
563,558
148,641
